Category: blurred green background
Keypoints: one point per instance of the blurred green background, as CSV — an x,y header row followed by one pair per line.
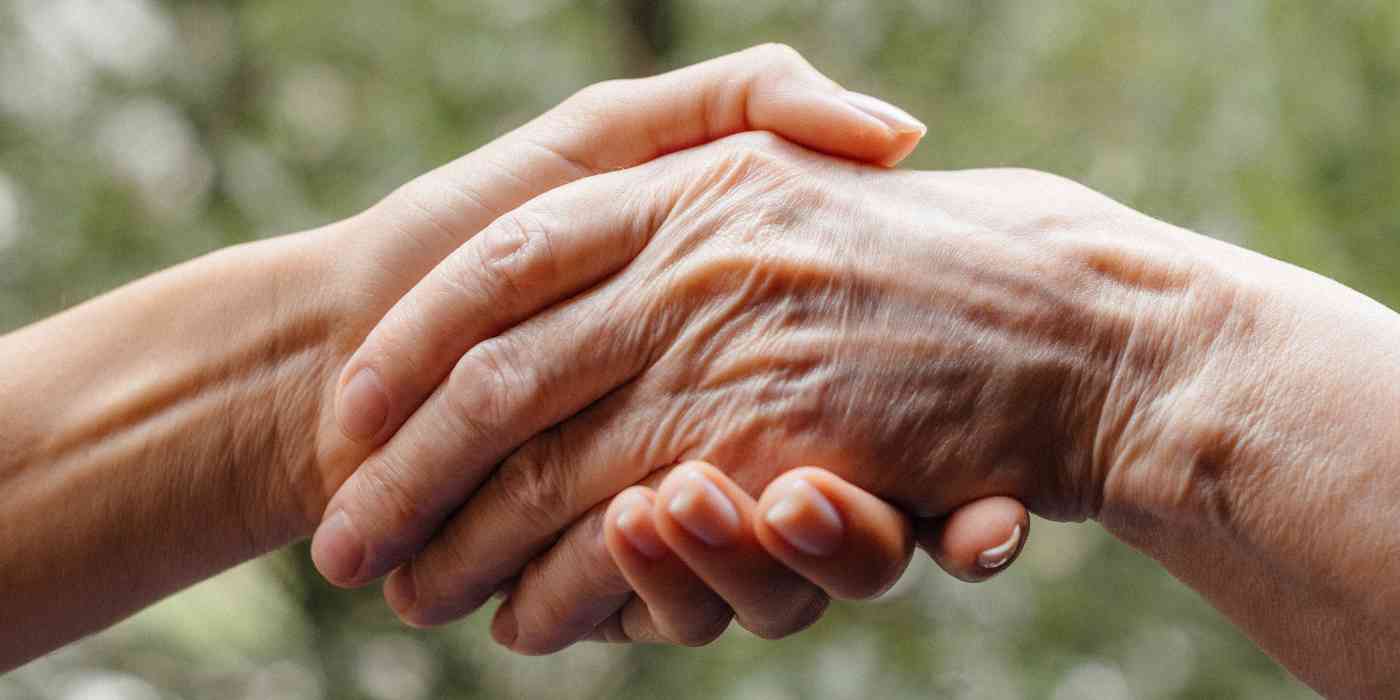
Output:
x,y
135,134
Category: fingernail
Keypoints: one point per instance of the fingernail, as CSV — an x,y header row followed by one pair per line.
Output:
x,y
336,549
997,556
363,406
505,628
703,510
900,121
807,520
400,591
635,525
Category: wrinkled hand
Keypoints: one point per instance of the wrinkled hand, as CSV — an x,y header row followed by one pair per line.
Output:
x,y
932,337
604,127
388,249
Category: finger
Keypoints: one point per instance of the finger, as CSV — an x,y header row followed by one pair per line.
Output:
x,y
605,127
573,588
633,623
836,535
708,521
681,607
581,589
515,270
979,539
551,480
504,389
577,568
512,387
532,495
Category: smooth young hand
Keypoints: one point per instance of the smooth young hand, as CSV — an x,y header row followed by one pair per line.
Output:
x,y
698,550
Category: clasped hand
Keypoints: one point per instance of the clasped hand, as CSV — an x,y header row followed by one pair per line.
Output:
x,y
618,324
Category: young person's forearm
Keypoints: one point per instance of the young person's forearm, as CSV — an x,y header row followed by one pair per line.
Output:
x,y
146,435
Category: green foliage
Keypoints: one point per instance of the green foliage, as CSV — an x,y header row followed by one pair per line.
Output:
x,y
135,134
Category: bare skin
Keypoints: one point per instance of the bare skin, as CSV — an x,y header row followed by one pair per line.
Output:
x,y
184,423
930,337
694,561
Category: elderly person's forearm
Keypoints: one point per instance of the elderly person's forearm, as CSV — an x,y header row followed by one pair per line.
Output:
x,y
1264,472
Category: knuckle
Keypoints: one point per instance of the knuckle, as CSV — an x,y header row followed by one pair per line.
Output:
x,y
762,147
437,202
749,162
539,622
584,548
590,96
535,480
486,384
514,250
780,55
395,507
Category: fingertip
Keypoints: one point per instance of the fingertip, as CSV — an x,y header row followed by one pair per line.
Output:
x,y
338,551
694,500
837,122
363,406
993,558
806,519
630,517
897,120
505,627
610,631
904,145
861,559
978,540
400,592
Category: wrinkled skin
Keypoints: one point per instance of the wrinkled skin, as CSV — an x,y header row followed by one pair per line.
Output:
x,y
164,419
932,337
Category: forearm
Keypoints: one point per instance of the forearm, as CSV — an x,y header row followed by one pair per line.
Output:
x,y
1263,471
147,436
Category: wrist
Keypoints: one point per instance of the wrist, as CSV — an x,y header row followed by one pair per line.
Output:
x,y
350,273
1232,402
1162,447
1262,471
328,281
1159,312
301,322
170,411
